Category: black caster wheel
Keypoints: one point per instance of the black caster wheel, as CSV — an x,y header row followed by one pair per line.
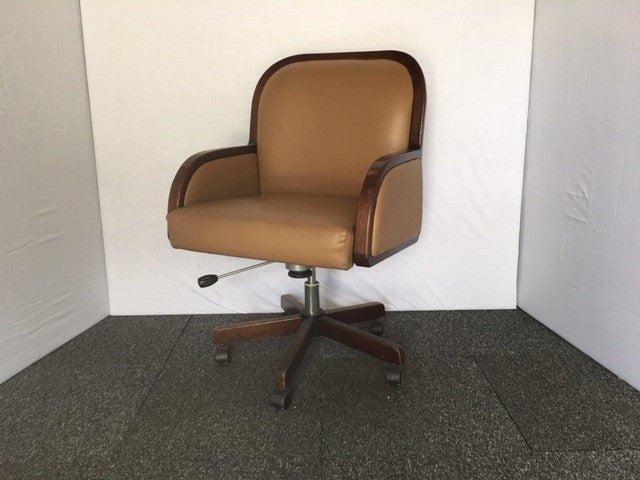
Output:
x,y
394,376
377,327
223,354
280,399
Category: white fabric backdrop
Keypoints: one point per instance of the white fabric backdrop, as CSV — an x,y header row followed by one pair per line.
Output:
x,y
168,79
53,283
580,260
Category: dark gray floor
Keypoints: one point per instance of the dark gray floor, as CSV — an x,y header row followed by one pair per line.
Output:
x,y
485,395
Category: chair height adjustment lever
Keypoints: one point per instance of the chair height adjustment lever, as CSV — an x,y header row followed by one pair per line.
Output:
x,y
208,280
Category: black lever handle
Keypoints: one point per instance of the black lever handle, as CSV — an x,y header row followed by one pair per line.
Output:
x,y
207,280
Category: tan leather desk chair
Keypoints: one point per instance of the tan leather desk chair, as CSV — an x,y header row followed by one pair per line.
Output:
x,y
331,177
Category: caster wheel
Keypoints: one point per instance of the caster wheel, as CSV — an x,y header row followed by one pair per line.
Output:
x,y
280,399
376,327
223,354
394,376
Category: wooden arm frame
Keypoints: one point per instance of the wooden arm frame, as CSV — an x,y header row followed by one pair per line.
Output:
x,y
193,163
362,247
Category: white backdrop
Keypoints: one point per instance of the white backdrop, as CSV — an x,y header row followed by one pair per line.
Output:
x,y
580,260
52,273
170,78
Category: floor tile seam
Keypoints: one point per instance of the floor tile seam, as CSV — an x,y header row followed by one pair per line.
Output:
x,y
164,365
127,426
321,445
471,356
320,355
495,391
584,450
364,355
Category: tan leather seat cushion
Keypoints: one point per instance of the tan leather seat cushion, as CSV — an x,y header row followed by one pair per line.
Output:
x,y
303,229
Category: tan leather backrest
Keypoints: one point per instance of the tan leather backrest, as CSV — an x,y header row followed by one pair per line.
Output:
x,y
321,123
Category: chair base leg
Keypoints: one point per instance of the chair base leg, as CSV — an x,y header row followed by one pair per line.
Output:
x,y
357,313
293,355
336,324
257,329
364,341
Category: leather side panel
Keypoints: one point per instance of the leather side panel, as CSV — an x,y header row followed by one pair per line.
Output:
x,y
229,177
398,213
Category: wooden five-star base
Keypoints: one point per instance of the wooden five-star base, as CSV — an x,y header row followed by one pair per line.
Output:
x,y
335,324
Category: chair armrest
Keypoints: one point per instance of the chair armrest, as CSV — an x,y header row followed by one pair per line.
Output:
x,y
233,174
389,213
